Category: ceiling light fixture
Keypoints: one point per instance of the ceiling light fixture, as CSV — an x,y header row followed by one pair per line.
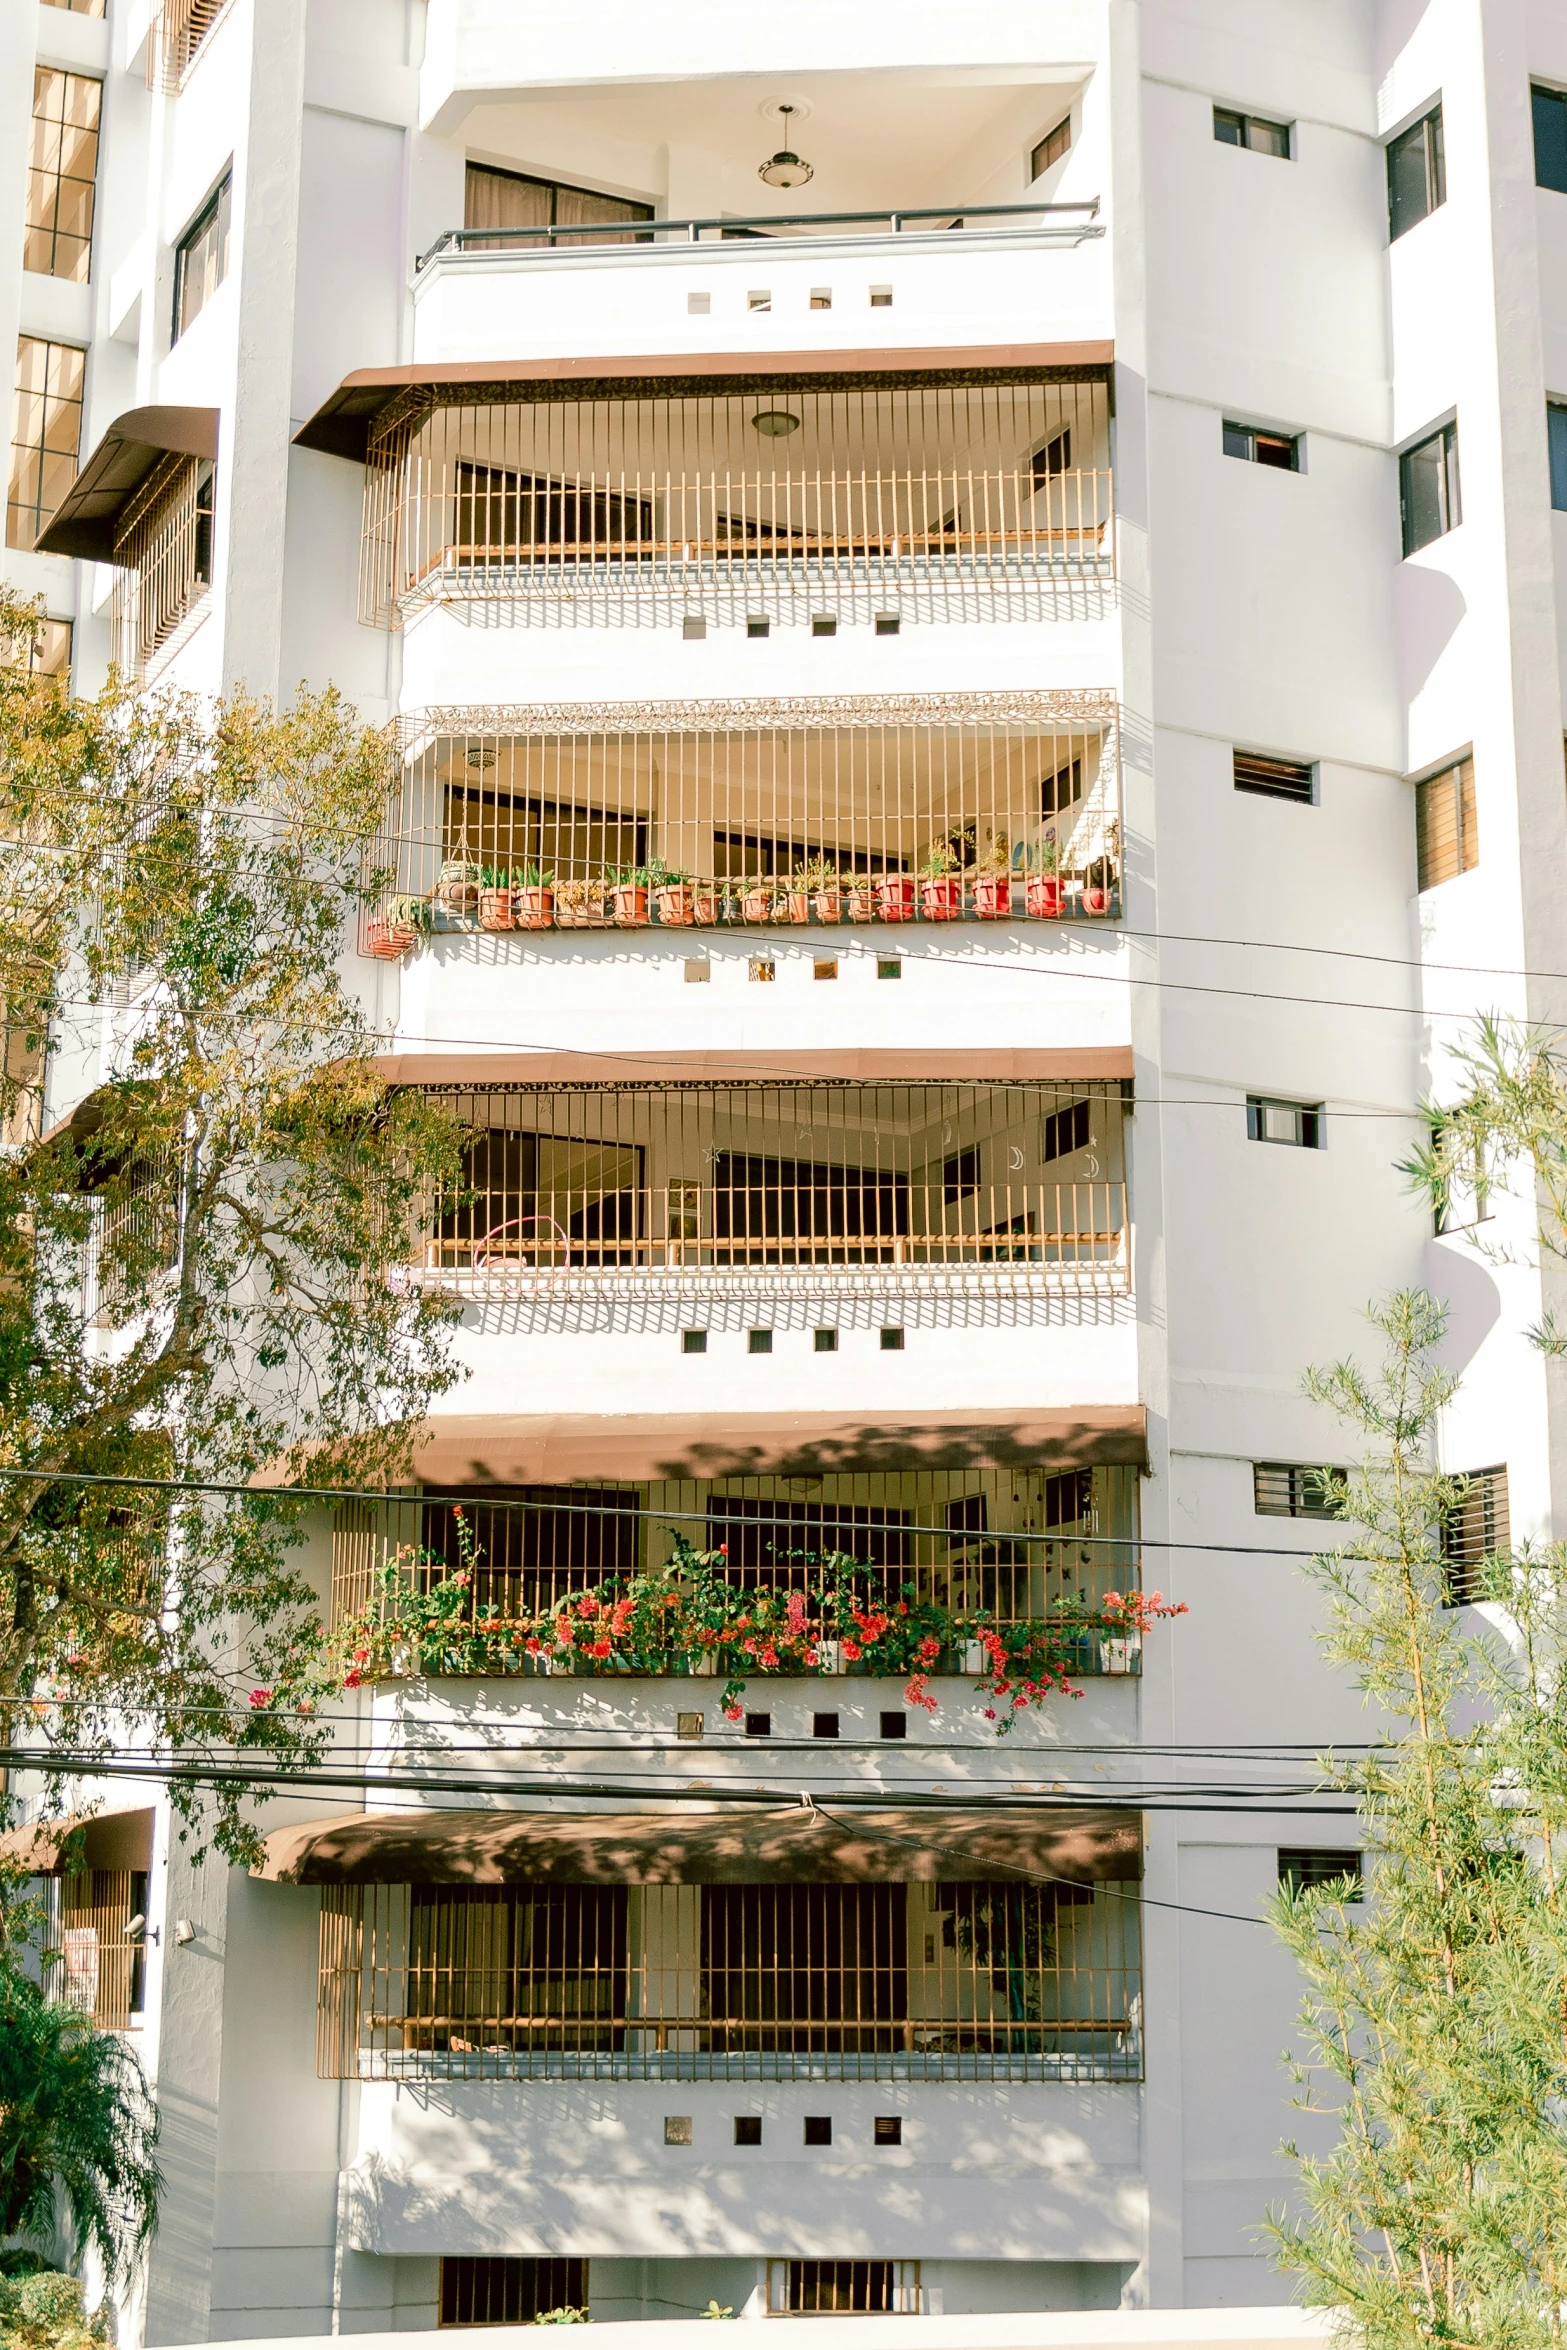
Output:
x,y
775,424
785,169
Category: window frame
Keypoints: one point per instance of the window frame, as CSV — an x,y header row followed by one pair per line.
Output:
x,y
1231,429
1294,1481
39,509
1557,99
1247,124
1458,774
1037,168
1434,161
1556,456
1489,1500
1304,1879
1296,779
1449,480
46,225
1310,1122
216,212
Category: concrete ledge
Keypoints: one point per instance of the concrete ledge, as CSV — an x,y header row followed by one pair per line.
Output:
x,y
1115,2329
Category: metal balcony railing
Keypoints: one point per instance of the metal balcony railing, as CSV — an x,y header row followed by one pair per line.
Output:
x,y
1064,224
961,1979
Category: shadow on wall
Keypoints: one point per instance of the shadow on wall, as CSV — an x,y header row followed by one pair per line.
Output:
x,y
1427,610
1474,1305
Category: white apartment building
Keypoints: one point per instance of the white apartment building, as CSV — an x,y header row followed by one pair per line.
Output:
x,y
970,600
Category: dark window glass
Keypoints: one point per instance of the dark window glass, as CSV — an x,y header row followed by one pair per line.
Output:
x,y
1416,174
1275,779
1550,138
513,201
1300,1867
201,258
818,2129
1278,449
1428,494
1556,430
960,1176
1295,1123
1251,130
479,2292
1051,148
1064,1131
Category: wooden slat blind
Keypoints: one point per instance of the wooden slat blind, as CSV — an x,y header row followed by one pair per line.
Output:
x,y
1446,834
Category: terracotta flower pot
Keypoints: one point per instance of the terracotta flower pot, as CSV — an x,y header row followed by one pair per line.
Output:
x,y
630,905
497,909
535,908
941,897
389,941
1044,895
992,897
590,911
895,898
829,905
858,905
704,907
793,905
756,905
1096,900
677,906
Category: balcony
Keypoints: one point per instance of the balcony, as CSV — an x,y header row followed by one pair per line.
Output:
x,y
887,810
742,485
637,1190
957,1979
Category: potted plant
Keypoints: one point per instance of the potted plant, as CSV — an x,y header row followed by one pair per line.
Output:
x,y
454,901
895,897
497,898
1099,879
674,896
707,905
821,879
992,886
794,901
859,899
399,926
756,901
941,883
534,899
1043,885
581,905
629,890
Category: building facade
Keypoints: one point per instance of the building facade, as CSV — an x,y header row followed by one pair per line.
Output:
x,y
970,611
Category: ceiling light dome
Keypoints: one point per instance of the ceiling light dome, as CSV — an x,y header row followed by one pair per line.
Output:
x,y
775,424
785,169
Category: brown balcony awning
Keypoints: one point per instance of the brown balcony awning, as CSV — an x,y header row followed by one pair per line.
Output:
x,y
112,1840
568,1448
87,521
870,1065
342,426
737,1846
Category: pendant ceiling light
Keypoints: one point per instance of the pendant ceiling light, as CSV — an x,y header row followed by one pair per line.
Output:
x,y
785,169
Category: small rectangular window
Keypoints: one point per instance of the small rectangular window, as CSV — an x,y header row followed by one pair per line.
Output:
x,y
889,2129
824,624
1556,436
1065,1131
693,628
1275,779
1281,450
483,2292
828,2288
824,967
825,1342
1255,131
201,258
821,297
888,623
690,1725
46,433
1550,138
1301,1867
1299,1124
759,1342
824,1725
698,973
1447,838
895,1725
818,2129
759,299
763,969
1416,174
1477,1527
881,297
693,1342
758,624
748,2129
699,305
1287,1489
1429,503
759,1725
892,1340
1051,148
889,967
677,2129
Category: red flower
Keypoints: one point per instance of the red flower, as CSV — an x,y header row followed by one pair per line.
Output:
x,y
351,1680
851,1651
260,1697
599,1648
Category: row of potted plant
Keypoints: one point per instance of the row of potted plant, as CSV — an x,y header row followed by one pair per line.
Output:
x,y
1000,886
690,1617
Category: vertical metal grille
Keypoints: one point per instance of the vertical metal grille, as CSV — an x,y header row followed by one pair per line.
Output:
x,y
982,807
177,33
100,1970
564,1186
780,486
164,554
842,2288
959,1980
1476,1529
478,2292
1018,1543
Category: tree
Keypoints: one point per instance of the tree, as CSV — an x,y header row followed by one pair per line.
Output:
x,y
198,1274
78,2130
1436,2013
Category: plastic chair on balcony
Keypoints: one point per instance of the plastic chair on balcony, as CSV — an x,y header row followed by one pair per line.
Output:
x,y
534,1241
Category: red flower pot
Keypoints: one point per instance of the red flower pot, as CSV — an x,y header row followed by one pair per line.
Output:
x,y
1044,895
630,905
992,896
535,908
676,906
497,909
895,898
1096,901
942,897
388,941
829,905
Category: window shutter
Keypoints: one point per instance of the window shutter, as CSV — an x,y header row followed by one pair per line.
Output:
x,y
1446,835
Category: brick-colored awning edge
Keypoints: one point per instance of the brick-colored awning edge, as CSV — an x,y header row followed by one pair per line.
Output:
x,y
720,1846
871,1064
